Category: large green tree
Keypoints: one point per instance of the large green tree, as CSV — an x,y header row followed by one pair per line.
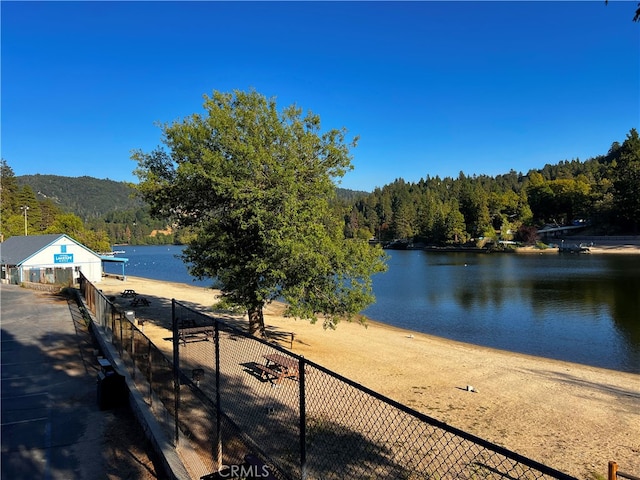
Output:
x,y
627,182
72,225
8,201
254,185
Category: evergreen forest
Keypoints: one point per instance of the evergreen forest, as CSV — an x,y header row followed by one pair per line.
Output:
x,y
602,194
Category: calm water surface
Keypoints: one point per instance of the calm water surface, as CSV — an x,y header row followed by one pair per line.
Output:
x,y
578,308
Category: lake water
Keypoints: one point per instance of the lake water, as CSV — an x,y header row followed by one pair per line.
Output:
x,y
578,308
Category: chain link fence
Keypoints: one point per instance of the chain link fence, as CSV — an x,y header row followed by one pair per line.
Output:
x,y
231,395
148,366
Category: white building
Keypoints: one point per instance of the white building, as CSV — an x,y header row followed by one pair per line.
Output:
x,y
47,259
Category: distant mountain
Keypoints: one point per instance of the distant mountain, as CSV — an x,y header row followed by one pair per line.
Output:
x,y
92,198
87,197
350,195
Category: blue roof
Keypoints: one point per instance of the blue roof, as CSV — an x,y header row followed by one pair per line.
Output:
x,y
106,258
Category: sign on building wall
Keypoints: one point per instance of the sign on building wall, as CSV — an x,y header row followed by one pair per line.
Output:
x,y
63,258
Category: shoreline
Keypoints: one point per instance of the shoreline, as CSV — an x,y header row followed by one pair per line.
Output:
x,y
572,417
627,249
274,311
614,249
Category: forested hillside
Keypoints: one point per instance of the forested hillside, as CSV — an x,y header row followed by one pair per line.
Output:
x,y
88,209
83,207
23,213
87,197
602,193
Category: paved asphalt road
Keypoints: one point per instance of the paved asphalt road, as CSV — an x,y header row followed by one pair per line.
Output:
x,y
52,427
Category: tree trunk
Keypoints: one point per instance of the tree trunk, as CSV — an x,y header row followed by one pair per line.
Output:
x,y
256,321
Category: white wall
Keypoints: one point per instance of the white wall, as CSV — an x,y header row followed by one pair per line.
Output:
x,y
61,252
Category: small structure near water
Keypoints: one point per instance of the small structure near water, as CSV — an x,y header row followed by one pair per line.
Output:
x,y
573,249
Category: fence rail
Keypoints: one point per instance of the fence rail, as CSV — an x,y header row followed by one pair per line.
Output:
x,y
222,395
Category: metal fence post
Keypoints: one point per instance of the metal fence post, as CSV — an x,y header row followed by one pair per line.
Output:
x,y
133,352
218,451
303,419
613,470
120,339
150,370
176,370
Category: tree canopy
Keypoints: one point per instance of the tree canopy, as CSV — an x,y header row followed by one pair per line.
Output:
x,y
254,185
601,193
22,213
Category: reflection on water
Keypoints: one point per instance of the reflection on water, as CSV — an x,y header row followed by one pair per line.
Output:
x,y
579,308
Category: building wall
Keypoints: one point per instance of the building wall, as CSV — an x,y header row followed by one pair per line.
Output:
x,y
65,253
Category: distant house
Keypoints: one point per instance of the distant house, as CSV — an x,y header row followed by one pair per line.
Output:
x,y
52,259
557,231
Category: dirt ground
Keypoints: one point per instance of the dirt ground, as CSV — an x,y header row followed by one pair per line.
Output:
x,y
572,417
127,452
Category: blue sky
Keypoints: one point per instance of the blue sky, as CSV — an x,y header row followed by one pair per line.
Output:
x,y
431,88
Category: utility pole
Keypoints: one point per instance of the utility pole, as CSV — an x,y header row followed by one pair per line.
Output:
x,y
25,208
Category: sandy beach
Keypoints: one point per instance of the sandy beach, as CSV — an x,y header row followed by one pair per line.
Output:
x,y
572,417
616,249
